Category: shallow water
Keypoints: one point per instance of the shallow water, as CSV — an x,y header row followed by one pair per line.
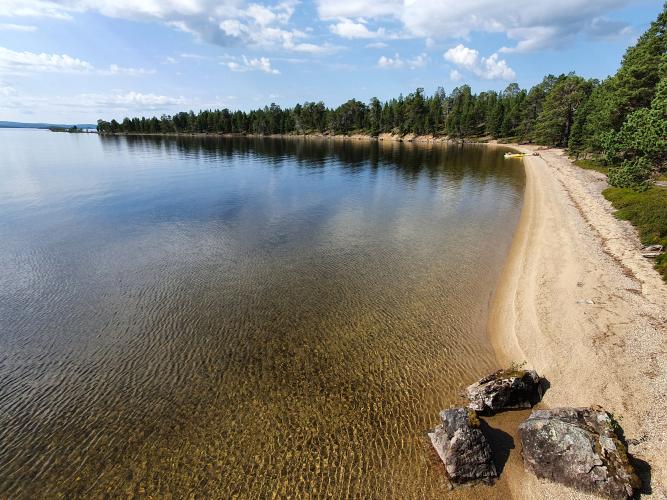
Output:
x,y
248,317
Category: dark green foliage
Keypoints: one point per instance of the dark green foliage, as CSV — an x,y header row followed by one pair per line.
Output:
x,y
647,211
594,121
461,114
625,119
640,146
375,117
643,134
555,122
630,174
638,77
532,107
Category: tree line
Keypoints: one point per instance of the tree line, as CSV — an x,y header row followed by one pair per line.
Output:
x,y
622,120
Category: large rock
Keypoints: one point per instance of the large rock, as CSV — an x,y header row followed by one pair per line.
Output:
x,y
463,448
578,447
503,390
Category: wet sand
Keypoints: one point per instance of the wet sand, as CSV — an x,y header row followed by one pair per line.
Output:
x,y
579,304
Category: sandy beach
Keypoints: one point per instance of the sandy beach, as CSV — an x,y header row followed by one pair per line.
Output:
x,y
578,303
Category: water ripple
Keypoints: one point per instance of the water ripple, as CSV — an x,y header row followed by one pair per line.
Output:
x,y
240,318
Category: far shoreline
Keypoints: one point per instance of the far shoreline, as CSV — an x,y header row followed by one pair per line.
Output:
x,y
390,137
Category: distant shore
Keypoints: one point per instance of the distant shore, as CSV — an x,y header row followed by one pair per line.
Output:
x,y
579,304
412,138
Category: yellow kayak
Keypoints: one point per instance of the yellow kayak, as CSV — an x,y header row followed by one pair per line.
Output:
x,y
514,155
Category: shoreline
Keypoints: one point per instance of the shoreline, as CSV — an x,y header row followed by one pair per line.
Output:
x,y
407,138
578,303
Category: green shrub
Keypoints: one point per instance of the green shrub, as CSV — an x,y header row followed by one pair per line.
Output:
x,y
635,173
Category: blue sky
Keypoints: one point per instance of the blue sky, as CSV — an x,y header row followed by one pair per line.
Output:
x,y
79,60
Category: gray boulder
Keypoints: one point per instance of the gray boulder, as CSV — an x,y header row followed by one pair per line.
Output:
x,y
578,447
503,390
463,448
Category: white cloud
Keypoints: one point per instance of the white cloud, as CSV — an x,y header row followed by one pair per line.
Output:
x,y
34,8
493,68
376,45
397,62
186,55
601,27
114,69
462,56
265,16
534,25
347,28
13,62
311,48
418,61
233,27
131,99
6,90
222,22
455,75
390,63
259,64
23,63
269,36
17,27
90,106
357,8
489,68
534,38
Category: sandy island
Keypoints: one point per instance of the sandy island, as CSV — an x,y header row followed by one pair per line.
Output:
x,y
579,304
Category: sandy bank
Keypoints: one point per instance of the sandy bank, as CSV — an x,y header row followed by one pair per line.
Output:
x,y
384,137
580,305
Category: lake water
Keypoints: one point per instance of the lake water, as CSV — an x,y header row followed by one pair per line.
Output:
x,y
248,317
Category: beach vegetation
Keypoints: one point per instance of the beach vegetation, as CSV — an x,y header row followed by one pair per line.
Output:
x,y
647,211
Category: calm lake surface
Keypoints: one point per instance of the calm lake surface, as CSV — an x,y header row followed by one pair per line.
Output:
x,y
248,317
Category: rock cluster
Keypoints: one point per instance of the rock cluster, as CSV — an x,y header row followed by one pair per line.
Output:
x,y
580,448
463,448
503,390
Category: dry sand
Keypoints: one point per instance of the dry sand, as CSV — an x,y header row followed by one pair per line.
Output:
x,y
580,305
